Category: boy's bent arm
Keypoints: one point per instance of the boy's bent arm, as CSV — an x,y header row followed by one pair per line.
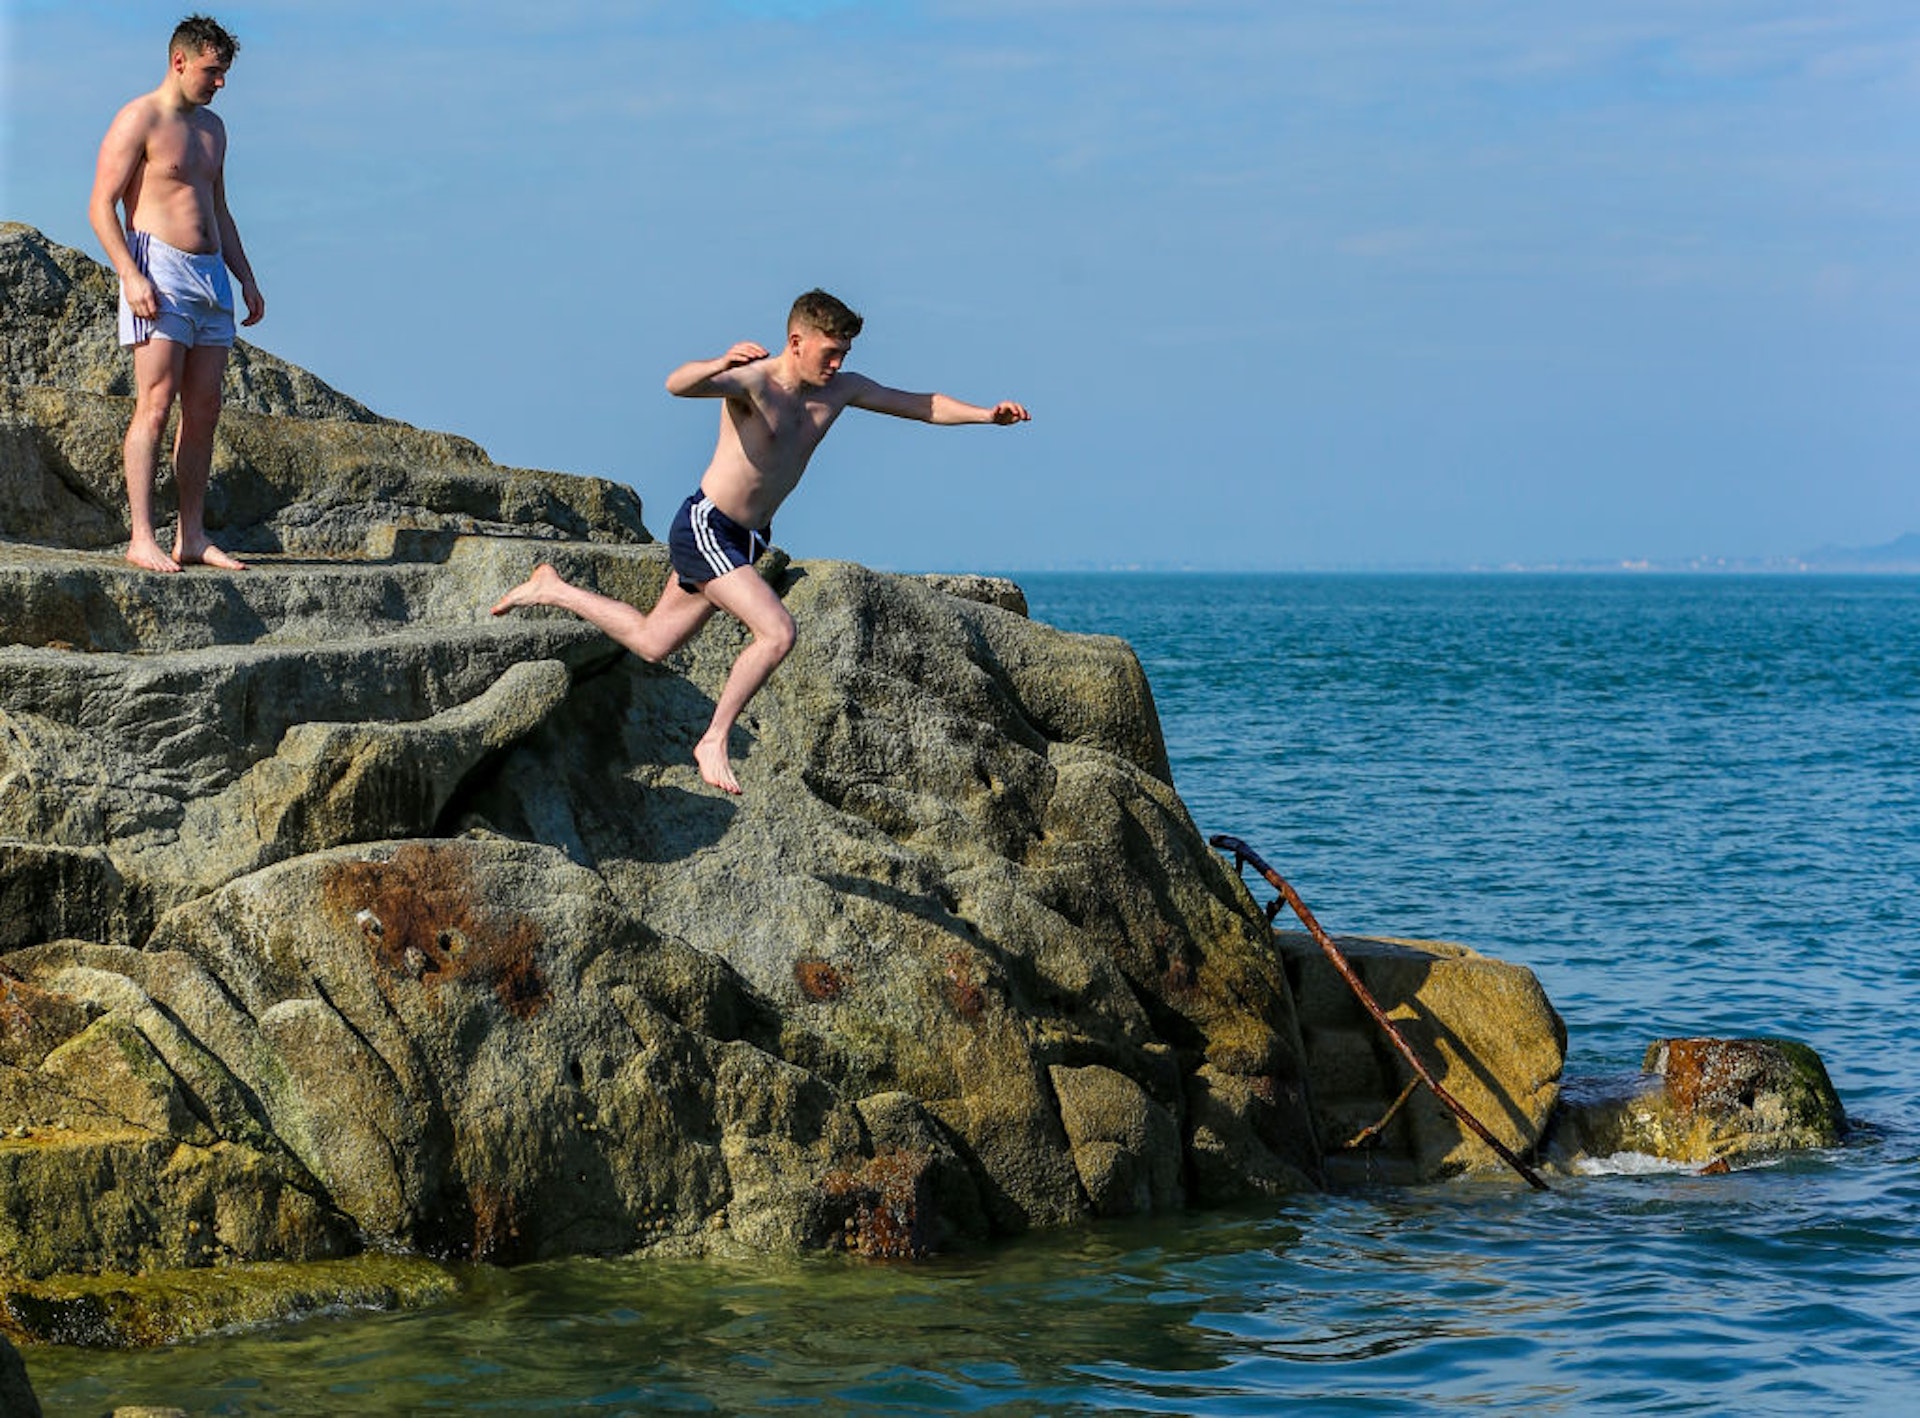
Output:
x,y
704,378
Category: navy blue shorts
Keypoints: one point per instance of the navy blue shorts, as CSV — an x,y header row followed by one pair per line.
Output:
x,y
706,543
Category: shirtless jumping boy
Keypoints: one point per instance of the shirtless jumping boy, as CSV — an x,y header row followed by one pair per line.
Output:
x,y
163,160
778,408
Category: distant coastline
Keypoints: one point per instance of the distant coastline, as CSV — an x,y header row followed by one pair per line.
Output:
x,y
1899,557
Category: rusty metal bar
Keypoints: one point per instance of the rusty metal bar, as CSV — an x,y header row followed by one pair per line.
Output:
x,y
1243,854
1368,1134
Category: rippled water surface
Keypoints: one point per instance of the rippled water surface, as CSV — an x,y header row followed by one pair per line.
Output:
x,y
1689,804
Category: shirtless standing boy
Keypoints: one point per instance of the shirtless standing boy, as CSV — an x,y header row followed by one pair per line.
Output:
x,y
777,410
163,160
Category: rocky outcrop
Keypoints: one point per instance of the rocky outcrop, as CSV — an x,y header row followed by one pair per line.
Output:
x,y
344,913
1493,1040
1707,1103
298,467
423,923
338,916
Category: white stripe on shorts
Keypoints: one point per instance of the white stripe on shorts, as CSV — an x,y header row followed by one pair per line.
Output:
x,y
138,326
705,540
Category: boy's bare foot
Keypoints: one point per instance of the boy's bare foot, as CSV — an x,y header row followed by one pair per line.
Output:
x,y
714,765
146,555
531,592
206,554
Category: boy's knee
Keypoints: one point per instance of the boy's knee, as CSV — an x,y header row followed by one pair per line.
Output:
x,y
150,411
780,638
199,412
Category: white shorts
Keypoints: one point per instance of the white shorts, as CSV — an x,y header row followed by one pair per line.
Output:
x,y
193,291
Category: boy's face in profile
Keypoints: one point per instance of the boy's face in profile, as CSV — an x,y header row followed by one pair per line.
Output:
x,y
202,75
817,356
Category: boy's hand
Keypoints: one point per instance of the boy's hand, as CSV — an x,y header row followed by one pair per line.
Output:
x,y
1006,412
746,352
141,299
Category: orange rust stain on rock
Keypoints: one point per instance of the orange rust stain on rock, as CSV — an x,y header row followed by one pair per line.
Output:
x,y
817,979
34,1020
423,916
15,1019
1179,975
888,1206
1710,1074
963,993
496,1224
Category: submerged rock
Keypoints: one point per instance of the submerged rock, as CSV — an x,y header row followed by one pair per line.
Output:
x,y
165,1306
1702,1103
17,1398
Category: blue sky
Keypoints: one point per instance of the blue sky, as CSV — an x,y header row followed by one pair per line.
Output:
x,y
1355,282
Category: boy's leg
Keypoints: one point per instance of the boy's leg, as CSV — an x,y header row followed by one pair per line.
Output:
x,y
157,366
670,624
675,616
743,594
200,375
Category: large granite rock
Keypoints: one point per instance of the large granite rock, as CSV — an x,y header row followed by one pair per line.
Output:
x,y
1483,1027
339,911
336,913
419,926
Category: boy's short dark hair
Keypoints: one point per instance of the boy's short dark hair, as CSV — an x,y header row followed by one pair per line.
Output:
x,y
829,315
198,33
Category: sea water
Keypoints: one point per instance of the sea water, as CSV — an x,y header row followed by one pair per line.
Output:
x,y
1689,804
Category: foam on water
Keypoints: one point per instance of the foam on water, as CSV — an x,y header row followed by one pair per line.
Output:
x,y
1629,1164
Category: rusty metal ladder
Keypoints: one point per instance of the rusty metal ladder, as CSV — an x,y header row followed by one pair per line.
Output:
x,y
1243,855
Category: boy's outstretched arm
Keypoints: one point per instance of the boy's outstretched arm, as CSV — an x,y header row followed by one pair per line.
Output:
x,y
929,408
704,378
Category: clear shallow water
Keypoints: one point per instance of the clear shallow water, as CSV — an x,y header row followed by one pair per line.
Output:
x,y
1688,803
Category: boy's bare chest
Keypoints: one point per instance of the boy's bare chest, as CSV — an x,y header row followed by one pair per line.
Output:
x,y
796,422
184,151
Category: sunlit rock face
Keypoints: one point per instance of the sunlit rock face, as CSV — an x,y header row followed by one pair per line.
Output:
x,y
1483,1028
341,912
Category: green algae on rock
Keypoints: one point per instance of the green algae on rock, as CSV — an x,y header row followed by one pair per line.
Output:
x,y
165,1306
